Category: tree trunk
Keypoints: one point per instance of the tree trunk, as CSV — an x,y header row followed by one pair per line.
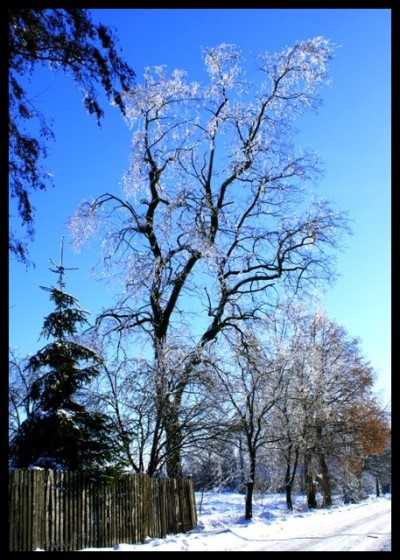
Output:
x,y
250,486
249,500
325,481
288,490
155,448
174,459
241,462
310,484
311,495
168,408
377,487
288,486
174,438
290,475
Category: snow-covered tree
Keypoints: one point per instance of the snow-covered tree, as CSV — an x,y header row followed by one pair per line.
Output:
x,y
330,416
59,432
215,218
249,385
125,390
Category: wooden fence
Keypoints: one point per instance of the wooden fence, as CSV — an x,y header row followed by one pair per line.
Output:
x,y
59,511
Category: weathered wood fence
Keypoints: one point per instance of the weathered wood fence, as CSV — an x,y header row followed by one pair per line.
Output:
x,y
60,511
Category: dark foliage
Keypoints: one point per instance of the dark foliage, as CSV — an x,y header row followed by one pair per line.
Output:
x,y
66,40
60,433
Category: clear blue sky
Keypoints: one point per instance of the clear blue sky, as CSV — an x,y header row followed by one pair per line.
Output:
x,y
352,134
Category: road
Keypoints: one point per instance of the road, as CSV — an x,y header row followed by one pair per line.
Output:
x,y
366,529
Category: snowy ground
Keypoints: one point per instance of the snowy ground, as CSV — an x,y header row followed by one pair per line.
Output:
x,y
357,527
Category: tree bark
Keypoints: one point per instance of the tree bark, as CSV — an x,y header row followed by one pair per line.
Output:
x,y
174,459
288,486
325,481
174,438
288,490
309,482
290,474
249,500
250,486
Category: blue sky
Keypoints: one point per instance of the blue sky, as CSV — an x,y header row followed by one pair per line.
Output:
x,y
352,134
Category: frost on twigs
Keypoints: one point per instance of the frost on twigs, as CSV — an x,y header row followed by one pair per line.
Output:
x,y
212,166
223,66
212,172
296,73
83,224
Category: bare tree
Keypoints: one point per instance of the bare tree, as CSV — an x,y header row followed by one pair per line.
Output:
x,y
125,390
328,410
289,444
214,219
251,385
19,382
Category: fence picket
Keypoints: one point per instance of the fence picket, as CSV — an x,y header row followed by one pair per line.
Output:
x,y
61,511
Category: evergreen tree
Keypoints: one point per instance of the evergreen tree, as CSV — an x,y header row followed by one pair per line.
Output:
x,y
60,433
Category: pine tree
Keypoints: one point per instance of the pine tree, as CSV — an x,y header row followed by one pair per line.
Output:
x,y
60,433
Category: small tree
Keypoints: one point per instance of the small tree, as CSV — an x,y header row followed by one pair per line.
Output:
x,y
60,433
251,386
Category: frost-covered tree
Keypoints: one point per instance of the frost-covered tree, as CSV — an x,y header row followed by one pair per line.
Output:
x,y
59,432
63,40
215,218
328,412
125,390
19,381
251,386
288,441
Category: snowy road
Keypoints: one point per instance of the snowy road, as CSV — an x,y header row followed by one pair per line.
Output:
x,y
368,529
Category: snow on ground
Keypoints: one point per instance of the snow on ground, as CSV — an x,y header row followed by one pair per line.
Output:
x,y
221,526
